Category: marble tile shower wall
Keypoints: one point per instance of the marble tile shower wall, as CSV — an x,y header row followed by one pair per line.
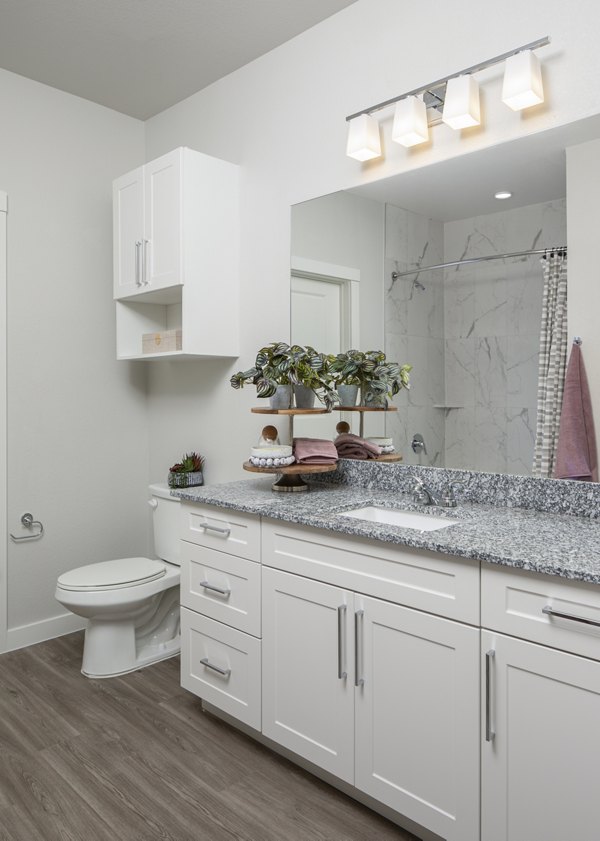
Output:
x,y
414,331
492,315
471,335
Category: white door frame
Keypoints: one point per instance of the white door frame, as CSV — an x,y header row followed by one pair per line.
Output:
x,y
348,278
3,429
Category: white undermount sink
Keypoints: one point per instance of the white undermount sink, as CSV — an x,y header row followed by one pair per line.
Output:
x,y
398,517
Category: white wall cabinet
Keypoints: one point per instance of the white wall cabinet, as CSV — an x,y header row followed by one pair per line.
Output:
x,y
176,255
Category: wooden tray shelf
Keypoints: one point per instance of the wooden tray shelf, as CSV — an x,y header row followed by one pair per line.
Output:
x,y
291,476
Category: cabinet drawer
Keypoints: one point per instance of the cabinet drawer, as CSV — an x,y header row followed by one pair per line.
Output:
x,y
222,529
207,647
513,602
221,586
446,586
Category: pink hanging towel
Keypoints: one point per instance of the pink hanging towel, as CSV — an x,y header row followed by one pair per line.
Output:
x,y
576,456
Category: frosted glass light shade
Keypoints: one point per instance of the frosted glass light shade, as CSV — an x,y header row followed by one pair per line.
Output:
x,y
410,122
522,86
461,106
363,138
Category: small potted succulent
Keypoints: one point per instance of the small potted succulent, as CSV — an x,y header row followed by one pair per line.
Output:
x,y
188,472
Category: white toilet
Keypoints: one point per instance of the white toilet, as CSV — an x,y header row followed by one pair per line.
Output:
x,y
131,604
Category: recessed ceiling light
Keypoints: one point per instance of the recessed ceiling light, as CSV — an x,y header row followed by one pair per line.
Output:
x,y
502,194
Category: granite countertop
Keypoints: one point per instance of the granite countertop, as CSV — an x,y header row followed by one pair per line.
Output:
x,y
555,544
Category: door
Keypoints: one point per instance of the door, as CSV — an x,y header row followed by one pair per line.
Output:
x,y
128,233
162,252
540,758
308,690
3,430
321,317
417,716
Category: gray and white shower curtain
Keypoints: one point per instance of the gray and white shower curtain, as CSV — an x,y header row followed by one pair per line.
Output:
x,y
552,362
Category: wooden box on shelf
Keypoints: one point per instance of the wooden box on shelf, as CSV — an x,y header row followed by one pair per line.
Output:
x,y
166,340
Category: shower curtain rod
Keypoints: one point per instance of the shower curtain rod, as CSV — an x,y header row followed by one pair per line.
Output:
x,y
417,271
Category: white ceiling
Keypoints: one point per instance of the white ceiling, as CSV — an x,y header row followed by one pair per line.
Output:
x,y
141,56
533,168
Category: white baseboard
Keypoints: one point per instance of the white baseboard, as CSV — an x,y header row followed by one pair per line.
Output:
x,y
45,629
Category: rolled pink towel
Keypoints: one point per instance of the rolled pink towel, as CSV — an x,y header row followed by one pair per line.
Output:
x,y
353,446
315,451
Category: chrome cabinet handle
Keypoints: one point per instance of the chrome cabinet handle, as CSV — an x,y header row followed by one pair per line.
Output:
x,y
341,617
549,611
215,589
358,649
138,246
489,730
206,662
145,280
225,532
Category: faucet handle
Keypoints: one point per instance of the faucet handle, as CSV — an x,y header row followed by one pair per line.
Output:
x,y
448,498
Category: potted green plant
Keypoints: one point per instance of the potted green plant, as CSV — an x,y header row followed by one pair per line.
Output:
x,y
380,379
345,368
281,365
187,473
269,374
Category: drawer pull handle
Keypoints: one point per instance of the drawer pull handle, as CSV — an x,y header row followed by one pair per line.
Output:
x,y
217,529
489,730
206,662
341,617
215,589
358,648
549,611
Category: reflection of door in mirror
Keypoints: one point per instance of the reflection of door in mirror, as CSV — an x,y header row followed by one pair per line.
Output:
x,y
323,300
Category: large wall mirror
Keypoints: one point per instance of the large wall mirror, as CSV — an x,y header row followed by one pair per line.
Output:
x,y
471,331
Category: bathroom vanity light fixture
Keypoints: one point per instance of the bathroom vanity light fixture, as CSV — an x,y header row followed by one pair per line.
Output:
x,y
453,100
410,122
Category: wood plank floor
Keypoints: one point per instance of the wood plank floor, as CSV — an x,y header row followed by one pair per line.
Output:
x,y
136,759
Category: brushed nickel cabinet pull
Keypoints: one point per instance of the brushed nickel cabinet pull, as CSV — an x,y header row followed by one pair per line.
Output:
x,y
341,617
489,730
217,529
549,611
215,589
206,662
358,648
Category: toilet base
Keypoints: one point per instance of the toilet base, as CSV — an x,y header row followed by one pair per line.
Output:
x,y
169,650
116,646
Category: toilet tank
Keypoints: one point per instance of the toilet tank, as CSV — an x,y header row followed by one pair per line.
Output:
x,y
165,523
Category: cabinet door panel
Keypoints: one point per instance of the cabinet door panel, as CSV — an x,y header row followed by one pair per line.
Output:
x,y
128,229
539,774
306,706
417,717
163,221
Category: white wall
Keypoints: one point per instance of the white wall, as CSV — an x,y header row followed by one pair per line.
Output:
x,y
283,118
77,428
583,225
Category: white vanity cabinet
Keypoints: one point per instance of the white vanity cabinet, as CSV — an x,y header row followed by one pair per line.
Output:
x,y
381,695
541,708
175,240
220,610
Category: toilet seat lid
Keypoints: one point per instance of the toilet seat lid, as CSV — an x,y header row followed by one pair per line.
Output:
x,y
106,575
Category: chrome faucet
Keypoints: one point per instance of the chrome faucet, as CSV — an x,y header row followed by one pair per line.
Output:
x,y
423,495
